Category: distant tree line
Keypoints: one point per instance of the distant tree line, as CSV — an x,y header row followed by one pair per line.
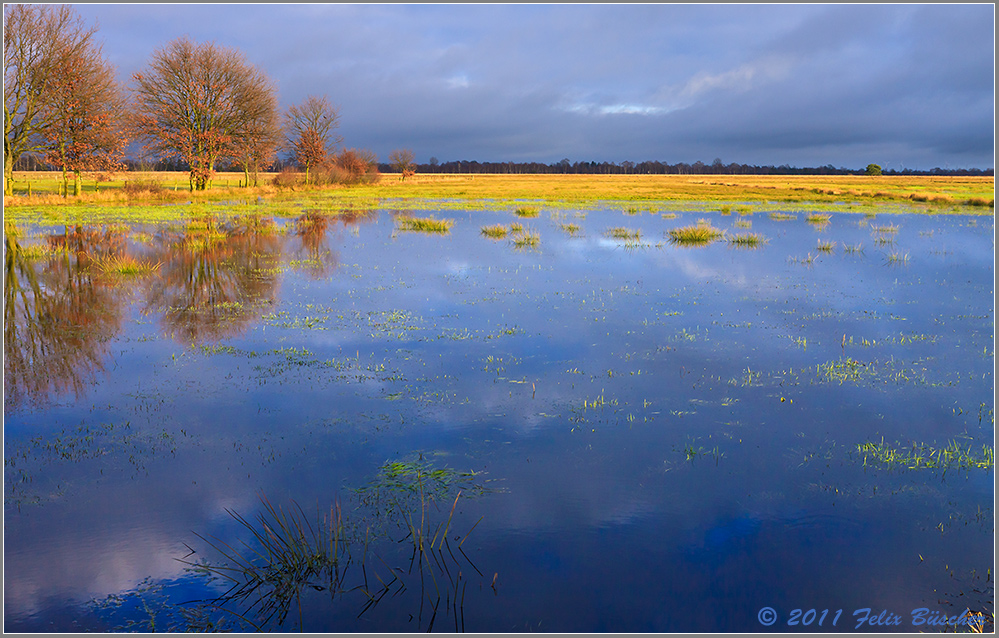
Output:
x,y
662,168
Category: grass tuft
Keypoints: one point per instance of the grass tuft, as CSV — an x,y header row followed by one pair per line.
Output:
x,y
699,235
527,211
621,232
424,224
527,239
747,240
496,231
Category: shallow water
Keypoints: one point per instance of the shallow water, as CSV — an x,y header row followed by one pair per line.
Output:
x,y
664,438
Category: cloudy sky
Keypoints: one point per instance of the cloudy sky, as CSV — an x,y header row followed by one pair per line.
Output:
x,y
904,86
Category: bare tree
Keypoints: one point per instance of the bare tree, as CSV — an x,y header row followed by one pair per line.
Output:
x,y
38,41
309,132
199,102
401,160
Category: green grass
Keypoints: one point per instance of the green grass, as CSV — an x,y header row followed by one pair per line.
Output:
x,y
747,240
921,456
782,217
621,232
699,235
826,246
572,229
818,218
496,231
853,249
424,224
742,223
527,211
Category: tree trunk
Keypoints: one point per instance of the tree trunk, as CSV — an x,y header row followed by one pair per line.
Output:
x,y
8,177
76,184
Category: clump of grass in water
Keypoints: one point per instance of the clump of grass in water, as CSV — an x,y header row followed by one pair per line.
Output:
x,y
527,211
747,240
516,227
826,246
699,235
890,228
572,229
125,266
527,238
743,223
726,210
898,258
921,456
782,217
621,232
424,224
818,218
859,248
497,231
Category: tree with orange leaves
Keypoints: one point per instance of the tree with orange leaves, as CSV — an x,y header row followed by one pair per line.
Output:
x,y
87,130
201,103
309,132
40,42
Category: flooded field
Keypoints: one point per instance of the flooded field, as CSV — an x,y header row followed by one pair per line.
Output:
x,y
526,419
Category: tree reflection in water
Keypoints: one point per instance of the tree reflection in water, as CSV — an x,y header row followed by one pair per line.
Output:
x,y
210,280
59,314
215,278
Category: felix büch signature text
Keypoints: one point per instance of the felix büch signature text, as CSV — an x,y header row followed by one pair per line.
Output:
x,y
865,617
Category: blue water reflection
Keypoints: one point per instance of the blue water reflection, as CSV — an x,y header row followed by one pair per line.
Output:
x,y
669,434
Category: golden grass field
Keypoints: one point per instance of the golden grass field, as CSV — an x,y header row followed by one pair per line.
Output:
x,y
933,192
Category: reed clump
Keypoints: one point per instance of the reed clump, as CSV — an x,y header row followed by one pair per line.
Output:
x,y
747,240
496,231
698,235
424,224
620,232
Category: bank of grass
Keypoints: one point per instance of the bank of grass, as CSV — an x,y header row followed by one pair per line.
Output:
x,y
158,190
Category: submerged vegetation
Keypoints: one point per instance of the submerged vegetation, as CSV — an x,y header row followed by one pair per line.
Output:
x,y
352,556
921,456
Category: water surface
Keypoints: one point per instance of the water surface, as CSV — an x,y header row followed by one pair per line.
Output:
x,y
645,436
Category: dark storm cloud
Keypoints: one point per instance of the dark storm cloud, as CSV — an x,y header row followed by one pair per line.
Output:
x,y
908,85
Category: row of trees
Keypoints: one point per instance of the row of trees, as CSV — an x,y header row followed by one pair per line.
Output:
x,y
663,168
202,106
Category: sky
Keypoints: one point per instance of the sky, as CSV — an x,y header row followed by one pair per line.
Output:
x,y
903,86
